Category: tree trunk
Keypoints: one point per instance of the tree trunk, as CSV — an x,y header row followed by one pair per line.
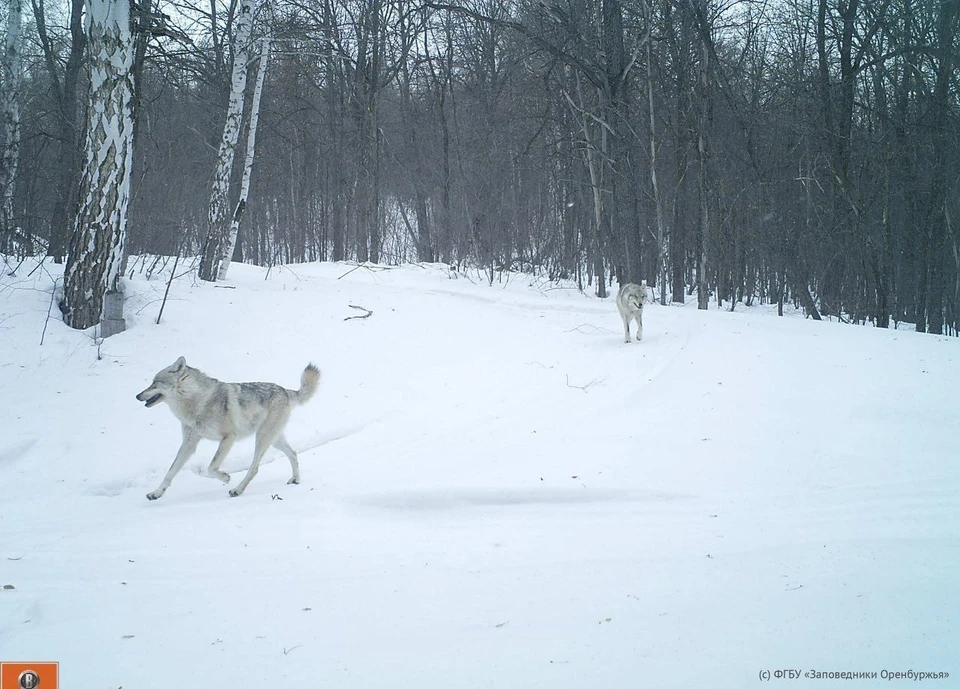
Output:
x,y
10,113
622,228
938,221
217,219
65,92
704,120
231,246
662,254
97,244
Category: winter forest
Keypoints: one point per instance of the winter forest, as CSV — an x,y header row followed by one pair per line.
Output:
x,y
783,151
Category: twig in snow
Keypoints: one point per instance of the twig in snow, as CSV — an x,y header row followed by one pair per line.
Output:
x,y
287,650
35,268
595,381
53,294
579,328
373,268
12,272
356,267
169,282
359,308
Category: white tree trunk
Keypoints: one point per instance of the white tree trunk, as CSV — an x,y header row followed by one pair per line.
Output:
x,y
97,244
248,162
10,112
217,218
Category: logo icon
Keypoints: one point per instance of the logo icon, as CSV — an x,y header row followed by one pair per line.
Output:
x,y
30,675
28,680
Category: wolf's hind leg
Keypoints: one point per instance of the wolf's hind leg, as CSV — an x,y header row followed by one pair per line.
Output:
x,y
282,445
267,435
213,471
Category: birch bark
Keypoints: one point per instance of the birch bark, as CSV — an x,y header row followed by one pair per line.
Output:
x,y
97,242
248,162
218,220
10,107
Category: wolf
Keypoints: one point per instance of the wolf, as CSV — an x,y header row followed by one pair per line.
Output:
x,y
630,301
208,408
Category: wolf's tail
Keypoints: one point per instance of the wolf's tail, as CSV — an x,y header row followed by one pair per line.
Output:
x,y
309,381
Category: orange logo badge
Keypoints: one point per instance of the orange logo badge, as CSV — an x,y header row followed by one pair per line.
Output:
x,y
29,675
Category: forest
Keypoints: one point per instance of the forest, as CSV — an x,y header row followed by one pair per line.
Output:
x,y
729,152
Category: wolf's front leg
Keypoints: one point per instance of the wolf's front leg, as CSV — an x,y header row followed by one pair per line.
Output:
x,y
187,448
640,326
626,328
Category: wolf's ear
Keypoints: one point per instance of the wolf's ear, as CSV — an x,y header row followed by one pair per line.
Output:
x,y
179,365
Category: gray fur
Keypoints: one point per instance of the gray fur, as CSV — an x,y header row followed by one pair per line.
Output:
x,y
210,409
630,301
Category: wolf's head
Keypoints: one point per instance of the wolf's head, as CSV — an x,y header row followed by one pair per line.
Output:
x,y
641,296
164,383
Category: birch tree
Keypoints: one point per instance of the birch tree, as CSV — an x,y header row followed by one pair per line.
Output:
x,y
97,243
10,105
218,220
248,162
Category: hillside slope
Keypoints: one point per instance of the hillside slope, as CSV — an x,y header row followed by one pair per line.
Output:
x,y
497,491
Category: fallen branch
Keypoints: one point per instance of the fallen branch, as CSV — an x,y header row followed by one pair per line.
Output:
x,y
356,267
359,308
371,267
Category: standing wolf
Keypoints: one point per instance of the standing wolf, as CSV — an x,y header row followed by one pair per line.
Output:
x,y
208,408
630,301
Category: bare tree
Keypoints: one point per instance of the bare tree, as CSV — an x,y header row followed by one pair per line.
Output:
x,y
10,113
97,244
804,151
663,255
248,161
218,220
64,84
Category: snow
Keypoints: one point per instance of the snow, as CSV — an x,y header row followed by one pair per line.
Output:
x,y
497,491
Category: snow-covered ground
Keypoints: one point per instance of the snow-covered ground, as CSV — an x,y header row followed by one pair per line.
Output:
x,y
497,491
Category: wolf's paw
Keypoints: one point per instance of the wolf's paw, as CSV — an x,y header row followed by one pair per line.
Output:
x,y
235,492
626,341
220,475
155,495
294,481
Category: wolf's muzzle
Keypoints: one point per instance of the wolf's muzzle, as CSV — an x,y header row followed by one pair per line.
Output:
x,y
151,400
